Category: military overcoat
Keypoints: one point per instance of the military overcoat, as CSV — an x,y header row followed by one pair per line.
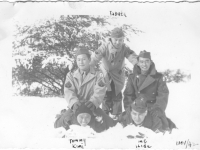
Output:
x,y
154,88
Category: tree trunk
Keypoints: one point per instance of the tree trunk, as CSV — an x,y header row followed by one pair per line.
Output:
x,y
63,85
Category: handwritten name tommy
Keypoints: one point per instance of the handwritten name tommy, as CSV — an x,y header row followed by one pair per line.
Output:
x,y
78,143
117,14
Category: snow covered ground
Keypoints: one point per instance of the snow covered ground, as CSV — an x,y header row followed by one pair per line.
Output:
x,y
27,122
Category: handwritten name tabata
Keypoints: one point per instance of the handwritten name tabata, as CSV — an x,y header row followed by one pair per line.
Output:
x,y
122,14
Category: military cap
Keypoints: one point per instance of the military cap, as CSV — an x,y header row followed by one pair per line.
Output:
x,y
84,109
139,104
81,50
117,33
145,54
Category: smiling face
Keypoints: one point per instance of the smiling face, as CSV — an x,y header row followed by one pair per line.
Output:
x,y
137,117
144,63
83,119
83,62
117,42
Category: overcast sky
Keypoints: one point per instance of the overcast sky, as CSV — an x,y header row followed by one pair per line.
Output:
x,y
171,30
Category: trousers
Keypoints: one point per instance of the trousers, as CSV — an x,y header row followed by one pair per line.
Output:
x,y
112,103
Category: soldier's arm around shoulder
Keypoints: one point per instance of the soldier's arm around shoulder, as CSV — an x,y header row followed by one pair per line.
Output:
x,y
70,90
130,55
99,89
129,92
162,93
98,55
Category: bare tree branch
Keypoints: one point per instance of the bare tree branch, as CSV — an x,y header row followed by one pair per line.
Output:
x,y
49,77
55,74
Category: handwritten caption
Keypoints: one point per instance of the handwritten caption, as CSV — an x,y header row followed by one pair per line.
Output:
x,y
186,143
122,14
142,144
78,143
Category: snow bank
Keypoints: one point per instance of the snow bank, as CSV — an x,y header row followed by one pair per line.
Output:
x,y
27,122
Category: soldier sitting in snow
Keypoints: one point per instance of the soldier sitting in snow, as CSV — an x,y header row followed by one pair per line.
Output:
x,y
139,115
86,85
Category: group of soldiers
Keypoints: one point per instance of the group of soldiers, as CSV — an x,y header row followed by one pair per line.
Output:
x,y
94,96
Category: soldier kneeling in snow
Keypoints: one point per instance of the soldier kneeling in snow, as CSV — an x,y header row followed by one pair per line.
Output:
x,y
86,85
145,80
139,115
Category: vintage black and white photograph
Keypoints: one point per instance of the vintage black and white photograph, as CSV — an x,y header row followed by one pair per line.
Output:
x,y
99,75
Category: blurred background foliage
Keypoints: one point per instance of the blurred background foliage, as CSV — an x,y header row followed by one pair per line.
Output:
x,y
44,53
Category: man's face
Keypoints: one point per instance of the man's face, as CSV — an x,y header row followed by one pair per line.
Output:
x,y
117,42
144,63
83,119
138,117
83,62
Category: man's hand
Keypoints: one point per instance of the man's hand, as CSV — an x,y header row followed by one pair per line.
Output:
x,y
99,119
75,106
90,105
132,59
157,112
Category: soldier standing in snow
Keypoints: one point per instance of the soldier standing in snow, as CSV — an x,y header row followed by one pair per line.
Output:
x,y
146,81
86,85
113,54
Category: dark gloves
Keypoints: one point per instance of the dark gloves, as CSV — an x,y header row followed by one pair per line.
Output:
x,y
90,105
157,112
61,113
75,106
63,119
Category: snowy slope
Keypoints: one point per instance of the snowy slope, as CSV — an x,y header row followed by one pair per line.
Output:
x,y
27,122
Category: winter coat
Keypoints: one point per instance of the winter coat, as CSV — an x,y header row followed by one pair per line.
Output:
x,y
100,121
156,124
92,88
112,64
154,88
